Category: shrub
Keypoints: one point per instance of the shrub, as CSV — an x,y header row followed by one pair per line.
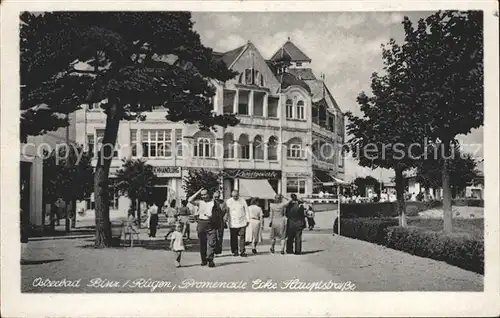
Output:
x,y
366,229
461,250
413,208
367,210
468,202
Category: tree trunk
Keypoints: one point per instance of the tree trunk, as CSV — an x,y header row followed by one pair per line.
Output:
x,y
53,214
73,216
447,213
101,178
138,207
67,219
400,202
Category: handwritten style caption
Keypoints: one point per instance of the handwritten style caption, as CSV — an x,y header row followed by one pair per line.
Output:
x,y
147,284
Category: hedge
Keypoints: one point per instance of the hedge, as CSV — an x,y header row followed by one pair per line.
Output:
x,y
461,250
365,210
468,202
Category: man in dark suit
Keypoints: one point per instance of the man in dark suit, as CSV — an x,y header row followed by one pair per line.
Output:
x,y
296,222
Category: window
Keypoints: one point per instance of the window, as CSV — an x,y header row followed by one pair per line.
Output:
x,y
272,107
296,185
298,64
243,102
248,76
158,108
202,148
133,142
300,110
258,148
94,106
228,101
204,142
258,103
100,137
315,118
294,149
178,142
331,123
228,145
90,145
272,148
289,108
156,143
244,146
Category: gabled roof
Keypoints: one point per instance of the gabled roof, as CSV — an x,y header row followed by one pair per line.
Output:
x,y
302,73
287,79
290,51
230,56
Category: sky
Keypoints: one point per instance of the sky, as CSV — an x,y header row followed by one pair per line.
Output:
x,y
345,46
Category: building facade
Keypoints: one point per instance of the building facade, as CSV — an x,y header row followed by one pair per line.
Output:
x,y
288,140
31,172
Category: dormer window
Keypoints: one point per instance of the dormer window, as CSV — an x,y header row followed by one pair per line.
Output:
x,y
298,64
251,77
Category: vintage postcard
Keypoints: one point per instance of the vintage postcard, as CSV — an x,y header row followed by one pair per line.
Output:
x,y
241,158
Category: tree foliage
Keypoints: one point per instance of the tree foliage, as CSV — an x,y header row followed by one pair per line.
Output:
x,y
142,58
136,179
368,181
129,61
201,178
67,176
462,169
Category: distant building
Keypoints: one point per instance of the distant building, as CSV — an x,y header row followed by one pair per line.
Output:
x,y
287,117
31,172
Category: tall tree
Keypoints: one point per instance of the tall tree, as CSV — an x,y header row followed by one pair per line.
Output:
x,y
201,178
447,72
136,179
67,174
462,169
390,126
129,61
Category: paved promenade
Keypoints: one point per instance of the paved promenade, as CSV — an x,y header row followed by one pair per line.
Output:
x,y
349,263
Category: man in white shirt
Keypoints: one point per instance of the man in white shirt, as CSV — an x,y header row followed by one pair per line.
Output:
x,y
238,220
206,233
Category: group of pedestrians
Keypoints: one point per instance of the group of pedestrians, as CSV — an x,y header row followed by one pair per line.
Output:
x,y
288,218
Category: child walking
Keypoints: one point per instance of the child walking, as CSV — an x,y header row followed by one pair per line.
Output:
x,y
177,244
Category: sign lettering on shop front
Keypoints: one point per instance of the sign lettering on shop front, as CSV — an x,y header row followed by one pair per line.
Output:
x,y
161,170
252,174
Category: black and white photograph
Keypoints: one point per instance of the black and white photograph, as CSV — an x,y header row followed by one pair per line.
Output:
x,y
228,152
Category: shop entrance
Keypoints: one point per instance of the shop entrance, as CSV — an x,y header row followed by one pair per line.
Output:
x,y
159,195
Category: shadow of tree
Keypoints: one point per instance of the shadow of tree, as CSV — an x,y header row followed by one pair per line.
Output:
x,y
36,262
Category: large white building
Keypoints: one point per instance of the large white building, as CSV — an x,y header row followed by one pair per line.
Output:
x,y
287,117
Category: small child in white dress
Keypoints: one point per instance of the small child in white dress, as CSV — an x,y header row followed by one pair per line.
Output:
x,y
177,243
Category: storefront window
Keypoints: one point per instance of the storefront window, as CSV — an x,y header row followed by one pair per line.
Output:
x,y
296,185
156,143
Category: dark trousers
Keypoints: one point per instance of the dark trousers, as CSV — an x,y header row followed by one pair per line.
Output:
x,y
219,240
235,243
310,223
153,224
294,238
206,235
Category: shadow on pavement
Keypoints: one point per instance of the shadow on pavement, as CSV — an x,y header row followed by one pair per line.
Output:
x,y
36,262
311,252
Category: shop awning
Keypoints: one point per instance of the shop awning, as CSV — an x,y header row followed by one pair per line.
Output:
x,y
256,188
326,178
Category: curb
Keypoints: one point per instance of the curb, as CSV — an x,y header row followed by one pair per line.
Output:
x,y
67,237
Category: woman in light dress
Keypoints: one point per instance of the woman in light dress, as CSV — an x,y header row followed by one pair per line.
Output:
x,y
278,222
255,227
